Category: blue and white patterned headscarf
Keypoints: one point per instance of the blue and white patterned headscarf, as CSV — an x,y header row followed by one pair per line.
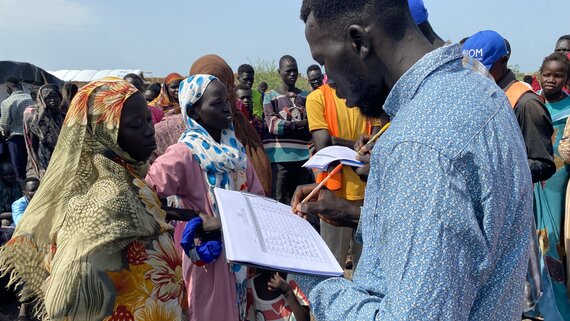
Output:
x,y
224,163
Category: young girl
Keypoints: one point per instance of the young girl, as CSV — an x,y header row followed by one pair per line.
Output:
x,y
275,296
550,196
207,155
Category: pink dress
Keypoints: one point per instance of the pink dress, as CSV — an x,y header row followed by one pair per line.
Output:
x,y
157,114
211,288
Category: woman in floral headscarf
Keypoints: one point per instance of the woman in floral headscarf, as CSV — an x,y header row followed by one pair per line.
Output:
x,y
42,125
93,243
167,101
207,155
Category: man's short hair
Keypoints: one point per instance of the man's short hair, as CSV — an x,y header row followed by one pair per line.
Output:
x,y
313,68
565,37
242,87
528,79
155,87
286,58
391,15
134,76
29,179
245,68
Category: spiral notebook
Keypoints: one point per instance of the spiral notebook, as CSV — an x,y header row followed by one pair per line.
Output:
x,y
264,233
323,158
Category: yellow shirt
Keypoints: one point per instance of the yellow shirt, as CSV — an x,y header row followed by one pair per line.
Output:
x,y
351,124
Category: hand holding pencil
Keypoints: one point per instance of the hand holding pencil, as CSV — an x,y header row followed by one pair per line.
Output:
x,y
363,146
312,199
326,205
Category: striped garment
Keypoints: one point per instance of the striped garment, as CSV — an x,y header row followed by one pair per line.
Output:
x,y
12,113
284,141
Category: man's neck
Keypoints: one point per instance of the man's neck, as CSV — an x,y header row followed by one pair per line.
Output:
x,y
285,88
506,79
404,54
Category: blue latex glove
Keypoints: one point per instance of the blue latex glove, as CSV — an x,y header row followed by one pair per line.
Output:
x,y
187,241
207,252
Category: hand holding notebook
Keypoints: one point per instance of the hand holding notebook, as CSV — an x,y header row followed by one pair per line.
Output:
x,y
258,231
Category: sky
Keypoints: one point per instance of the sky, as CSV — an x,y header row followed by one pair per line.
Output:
x,y
166,36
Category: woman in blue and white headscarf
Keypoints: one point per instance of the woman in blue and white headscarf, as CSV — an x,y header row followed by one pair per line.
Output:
x,y
207,155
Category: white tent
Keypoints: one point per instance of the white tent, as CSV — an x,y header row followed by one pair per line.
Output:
x,y
90,75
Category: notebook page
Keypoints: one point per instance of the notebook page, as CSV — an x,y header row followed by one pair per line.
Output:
x,y
264,232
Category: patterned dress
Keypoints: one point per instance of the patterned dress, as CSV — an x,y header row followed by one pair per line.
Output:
x,y
94,244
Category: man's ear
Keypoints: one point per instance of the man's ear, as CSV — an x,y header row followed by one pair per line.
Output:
x,y
360,40
505,60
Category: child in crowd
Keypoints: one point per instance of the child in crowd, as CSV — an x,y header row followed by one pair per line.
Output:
x,y
551,196
29,187
275,296
10,191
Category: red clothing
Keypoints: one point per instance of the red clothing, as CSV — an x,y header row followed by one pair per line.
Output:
x,y
157,114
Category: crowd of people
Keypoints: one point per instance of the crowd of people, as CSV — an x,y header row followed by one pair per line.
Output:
x,y
460,212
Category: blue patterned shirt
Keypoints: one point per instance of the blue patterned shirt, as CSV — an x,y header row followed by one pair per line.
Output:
x,y
446,220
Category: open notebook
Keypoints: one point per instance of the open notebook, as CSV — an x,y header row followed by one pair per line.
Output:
x,y
323,158
262,232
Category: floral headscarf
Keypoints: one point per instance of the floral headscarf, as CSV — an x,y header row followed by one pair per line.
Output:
x,y
165,101
90,205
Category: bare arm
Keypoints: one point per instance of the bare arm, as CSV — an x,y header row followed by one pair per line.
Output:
x,y
179,214
323,138
6,216
279,284
336,141
300,312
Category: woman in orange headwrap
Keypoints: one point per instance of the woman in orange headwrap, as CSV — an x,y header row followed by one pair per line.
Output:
x,y
167,101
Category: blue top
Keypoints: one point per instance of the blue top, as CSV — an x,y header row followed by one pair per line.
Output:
x,y
446,218
18,209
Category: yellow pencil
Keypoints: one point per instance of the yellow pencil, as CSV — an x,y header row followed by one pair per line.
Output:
x,y
339,166
318,188
375,137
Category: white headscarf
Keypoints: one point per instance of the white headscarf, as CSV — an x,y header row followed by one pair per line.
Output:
x,y
224,163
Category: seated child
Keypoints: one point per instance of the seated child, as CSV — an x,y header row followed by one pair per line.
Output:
x,y
29,188
275,296
10,191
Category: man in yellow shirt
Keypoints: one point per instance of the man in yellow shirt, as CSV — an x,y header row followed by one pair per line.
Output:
x,y
331,122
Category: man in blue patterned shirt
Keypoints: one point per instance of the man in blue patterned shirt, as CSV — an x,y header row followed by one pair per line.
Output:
x,y
448,205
